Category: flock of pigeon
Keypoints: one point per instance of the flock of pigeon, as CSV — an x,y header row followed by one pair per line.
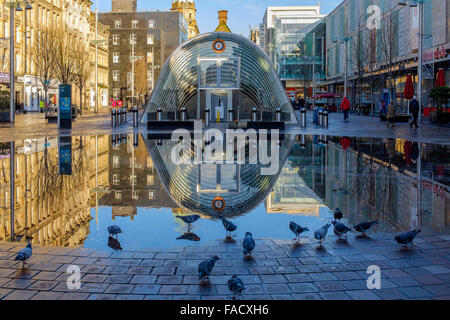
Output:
x,y
235,284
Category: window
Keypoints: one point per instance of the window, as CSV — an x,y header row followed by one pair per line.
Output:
x,y
151,195
116,180
133,180
118,195
134,24
149,57
135,195
133,38
118,24
150,180
151,23
116,163
115,39
116,75
116,95
115,57
150,39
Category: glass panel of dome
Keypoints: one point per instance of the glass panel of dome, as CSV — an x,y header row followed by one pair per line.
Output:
x,y
208,73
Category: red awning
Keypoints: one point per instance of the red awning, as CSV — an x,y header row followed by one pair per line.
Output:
x,y
327,95
409,88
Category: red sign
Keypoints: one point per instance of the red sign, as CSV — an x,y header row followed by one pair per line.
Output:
x,y
120,103
439,53
114,103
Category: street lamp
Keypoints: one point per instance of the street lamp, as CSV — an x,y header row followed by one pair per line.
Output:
x,y
13,6
414,4
344,42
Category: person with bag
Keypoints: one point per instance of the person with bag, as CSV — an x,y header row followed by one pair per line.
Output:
x,y
345,106
391,115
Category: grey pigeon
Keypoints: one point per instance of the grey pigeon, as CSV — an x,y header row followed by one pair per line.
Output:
x,y
236,285
297,230
321,233
338,215
114,230
205,268
189,219
341,229
407,237
249,244
364,227
24,254
229,226
189,236
114,244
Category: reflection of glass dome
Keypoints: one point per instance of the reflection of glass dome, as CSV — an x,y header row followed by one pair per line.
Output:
x,y
198,187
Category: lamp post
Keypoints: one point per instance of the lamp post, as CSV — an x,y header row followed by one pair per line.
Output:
x,y
13,6
415,4
344,42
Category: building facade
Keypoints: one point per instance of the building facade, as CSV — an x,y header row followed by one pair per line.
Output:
x,y
187,8
145,39
382,56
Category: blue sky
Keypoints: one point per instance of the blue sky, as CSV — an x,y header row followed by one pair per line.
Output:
x,y
242,13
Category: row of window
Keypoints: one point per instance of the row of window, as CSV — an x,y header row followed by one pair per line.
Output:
x,y
133,180
150,56
134,195
133,39
134,23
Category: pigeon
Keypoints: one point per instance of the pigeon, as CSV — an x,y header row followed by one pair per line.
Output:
x,y
364,227
229,226
189,219
114,244
189,236
407,237
297,230
114,230
338,215
24,254
322,233
205,268
341,229
248,244
236,286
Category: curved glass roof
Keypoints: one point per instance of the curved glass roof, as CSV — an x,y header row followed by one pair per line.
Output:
x,y
179,80
243,187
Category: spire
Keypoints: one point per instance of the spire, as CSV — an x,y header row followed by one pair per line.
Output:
x,y
223,18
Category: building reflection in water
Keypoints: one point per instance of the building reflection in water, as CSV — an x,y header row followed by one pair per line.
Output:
x,y
367,178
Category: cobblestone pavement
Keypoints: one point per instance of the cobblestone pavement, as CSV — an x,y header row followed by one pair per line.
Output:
x,y
277,271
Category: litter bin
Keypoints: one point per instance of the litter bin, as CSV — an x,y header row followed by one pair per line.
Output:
x,y
316,115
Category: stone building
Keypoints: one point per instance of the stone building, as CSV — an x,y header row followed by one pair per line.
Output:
x,y
187,8
147,36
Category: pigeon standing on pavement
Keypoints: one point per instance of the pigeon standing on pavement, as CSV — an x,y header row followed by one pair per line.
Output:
x,y
341,229
236,286
249,244
229,226
114,230
338,215
205,268
321,233
189,219
364,227
24,254
297,230
407,237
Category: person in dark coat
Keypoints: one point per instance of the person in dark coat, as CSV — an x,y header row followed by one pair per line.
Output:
x,y
415,107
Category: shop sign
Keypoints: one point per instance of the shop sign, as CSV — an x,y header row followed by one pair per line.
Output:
x,y
437,54
437,190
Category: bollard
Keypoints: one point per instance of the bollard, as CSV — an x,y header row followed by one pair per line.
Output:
x,y
117,118
230,115
136,140
135,117
159,143
321,118
254,114
159,114
325,140
113,118
125,115
119,139
124,138
278,114
183,114
207,117
325,119
303,118
302,141
114,140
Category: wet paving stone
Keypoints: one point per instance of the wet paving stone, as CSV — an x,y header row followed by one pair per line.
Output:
x,y
363,295
146,289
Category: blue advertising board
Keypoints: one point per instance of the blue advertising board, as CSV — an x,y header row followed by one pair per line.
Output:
x,y
65,107
65,156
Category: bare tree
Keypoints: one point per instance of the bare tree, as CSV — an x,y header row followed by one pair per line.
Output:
x,y
141,81
44,59
81,73
358,51
388,39
66,60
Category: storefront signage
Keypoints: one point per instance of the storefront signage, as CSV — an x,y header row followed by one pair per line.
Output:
x,y
437,54
219,46
65,107
437,190
65,156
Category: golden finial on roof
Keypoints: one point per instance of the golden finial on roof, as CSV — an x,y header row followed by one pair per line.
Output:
x,y
223,18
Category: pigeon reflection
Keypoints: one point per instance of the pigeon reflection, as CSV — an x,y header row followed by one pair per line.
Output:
x,y
189,236
114,244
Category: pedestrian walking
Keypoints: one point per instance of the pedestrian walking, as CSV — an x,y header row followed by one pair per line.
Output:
x,y
345,106
391,115
415,108
41,106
